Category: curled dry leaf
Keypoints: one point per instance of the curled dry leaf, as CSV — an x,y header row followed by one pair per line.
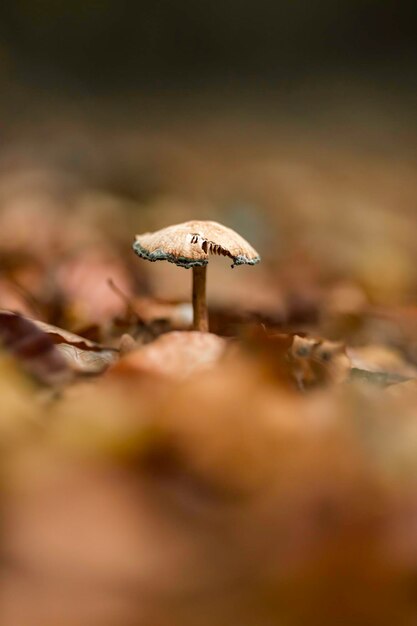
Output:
x,y
173,355
76,353
87,361
59,335
33,348
82,355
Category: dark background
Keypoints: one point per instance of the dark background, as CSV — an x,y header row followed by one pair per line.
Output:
x,y
106,45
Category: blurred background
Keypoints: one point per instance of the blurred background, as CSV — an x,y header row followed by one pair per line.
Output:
x,y
293,122
120,47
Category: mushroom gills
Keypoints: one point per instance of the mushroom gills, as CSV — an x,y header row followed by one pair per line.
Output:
x,y
209,247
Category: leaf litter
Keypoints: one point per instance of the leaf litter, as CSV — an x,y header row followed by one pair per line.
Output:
x,y
263,473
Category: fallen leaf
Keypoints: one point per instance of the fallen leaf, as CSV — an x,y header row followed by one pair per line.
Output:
x,y
319,361
80,354
174,355
59,335
33,349
87,361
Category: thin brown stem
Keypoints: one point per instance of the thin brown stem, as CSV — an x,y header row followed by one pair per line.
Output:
x,y
199,299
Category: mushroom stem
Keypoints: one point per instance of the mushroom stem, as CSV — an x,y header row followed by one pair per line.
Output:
x,y
199,298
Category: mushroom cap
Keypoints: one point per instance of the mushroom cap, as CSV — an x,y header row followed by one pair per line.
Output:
x,y
190,244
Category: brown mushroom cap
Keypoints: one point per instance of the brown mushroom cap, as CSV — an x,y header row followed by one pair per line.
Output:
x,y
190,244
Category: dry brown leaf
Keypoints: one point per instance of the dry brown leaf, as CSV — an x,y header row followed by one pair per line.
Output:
x,y
60,335
33,348
80,354
319,361
87,361
173,355
300,362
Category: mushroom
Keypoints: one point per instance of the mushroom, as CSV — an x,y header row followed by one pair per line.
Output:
x,y
189,245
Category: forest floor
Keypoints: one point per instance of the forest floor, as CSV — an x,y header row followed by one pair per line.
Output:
x,y
263,473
